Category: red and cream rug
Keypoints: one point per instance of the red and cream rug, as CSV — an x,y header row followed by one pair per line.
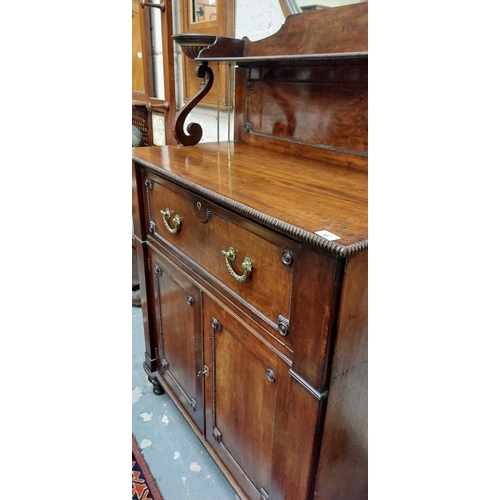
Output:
x,y
143,484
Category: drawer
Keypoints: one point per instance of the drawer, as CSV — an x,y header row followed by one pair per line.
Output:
x,y
254,264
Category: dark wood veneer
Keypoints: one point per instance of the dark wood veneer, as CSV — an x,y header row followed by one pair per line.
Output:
x,y
270,370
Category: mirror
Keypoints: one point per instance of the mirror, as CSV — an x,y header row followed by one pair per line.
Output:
x,y
298,6
203,10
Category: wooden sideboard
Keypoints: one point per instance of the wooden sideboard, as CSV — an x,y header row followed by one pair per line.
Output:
x,y
253,262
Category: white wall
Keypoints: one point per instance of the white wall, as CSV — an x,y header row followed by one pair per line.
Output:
x,y
257,19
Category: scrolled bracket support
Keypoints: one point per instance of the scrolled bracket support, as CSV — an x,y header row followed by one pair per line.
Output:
x,y
194,130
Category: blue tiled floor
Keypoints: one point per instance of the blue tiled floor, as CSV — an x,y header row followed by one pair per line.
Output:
x,y
177,460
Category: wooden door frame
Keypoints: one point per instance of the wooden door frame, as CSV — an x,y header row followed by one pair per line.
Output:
x,y
166,106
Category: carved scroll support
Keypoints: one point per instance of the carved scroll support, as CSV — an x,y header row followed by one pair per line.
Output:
x,y
194,130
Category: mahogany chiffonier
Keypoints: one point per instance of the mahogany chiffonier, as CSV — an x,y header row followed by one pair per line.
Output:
x,y
253,261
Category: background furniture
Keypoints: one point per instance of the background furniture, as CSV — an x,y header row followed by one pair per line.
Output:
x,y
153,84
253,262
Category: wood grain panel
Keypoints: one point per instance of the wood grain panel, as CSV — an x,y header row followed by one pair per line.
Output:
x,y
336,114
275,144
314,311
296,420
343,466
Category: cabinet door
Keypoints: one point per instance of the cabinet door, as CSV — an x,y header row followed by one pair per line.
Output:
x,y
177,304
240,395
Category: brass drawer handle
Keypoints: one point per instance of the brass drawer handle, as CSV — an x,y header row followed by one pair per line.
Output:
x,y
176,220
230,255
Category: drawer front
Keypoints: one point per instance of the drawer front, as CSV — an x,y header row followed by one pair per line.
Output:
x,y
251,262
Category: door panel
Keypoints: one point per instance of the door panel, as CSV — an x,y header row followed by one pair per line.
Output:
x,y
242,391
178,316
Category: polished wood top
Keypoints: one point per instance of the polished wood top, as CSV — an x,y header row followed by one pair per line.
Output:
x,y
292,194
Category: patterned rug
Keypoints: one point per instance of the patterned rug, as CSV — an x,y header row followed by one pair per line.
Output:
x,y
143,484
